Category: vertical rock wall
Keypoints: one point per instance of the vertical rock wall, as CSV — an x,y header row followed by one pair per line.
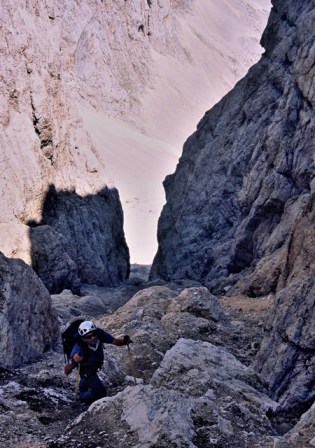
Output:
x,y
55,58
246,174
239,211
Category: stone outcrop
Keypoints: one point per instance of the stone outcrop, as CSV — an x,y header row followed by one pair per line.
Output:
x,y
51,262
188,391
157,317
80,240
239,211
192,392
286,358
287,354
303,434
200,396
29,324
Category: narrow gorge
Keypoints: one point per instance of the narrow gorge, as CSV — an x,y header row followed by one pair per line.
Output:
x,y
239,211
222,322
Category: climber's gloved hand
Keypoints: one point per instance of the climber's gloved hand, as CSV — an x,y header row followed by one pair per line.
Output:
x,y
68,368
127,340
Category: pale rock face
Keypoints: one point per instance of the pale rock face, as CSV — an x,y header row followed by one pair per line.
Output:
x,y
70,70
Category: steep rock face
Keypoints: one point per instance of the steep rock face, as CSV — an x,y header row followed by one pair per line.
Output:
x,y
95,60
29,325
287,354
232,200
80,240
51,262
303,433
239,209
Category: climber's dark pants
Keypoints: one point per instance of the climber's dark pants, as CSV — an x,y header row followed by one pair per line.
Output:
x,y
91,388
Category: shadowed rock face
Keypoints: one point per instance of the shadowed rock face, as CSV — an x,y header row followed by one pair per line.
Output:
x,y
239,209
29,325
80,240
287,354
245,175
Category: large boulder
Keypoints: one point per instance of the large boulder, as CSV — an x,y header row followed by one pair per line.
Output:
x,y
28,323
156,318
80,240
199,396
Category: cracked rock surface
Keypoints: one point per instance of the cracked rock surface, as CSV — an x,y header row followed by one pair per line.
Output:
x,y
186,381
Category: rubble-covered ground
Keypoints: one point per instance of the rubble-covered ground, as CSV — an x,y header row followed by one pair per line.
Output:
x,y
186,381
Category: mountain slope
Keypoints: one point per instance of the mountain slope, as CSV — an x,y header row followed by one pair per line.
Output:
x,y
106,70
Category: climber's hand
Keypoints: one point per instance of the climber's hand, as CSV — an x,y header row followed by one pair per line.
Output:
x,y
127,340
68,368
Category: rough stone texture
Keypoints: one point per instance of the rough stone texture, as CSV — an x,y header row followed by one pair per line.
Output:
x,y
200,396
28,323
80,239
157,317
51,262
303,434
233,198
287,354
34,400
94,301
239,213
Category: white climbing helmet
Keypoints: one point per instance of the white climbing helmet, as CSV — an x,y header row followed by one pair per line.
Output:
x,y
86,327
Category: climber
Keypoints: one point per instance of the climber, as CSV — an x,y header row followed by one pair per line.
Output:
x,y
87,355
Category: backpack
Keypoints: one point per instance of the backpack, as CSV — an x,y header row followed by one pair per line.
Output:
x,y
69,335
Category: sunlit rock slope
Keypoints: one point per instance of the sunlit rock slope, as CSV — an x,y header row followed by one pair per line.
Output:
x,y
99,93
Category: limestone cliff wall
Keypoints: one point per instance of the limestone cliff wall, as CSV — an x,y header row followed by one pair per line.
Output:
x,y
239,207
68,70
55,58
